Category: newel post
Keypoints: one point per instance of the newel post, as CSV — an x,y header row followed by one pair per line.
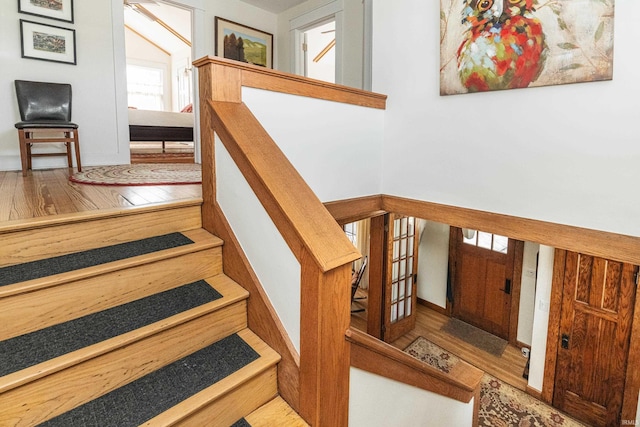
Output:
x,y
216,83
324,351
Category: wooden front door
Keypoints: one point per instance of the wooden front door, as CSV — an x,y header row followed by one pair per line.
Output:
x,y
400,277
595,328
483,281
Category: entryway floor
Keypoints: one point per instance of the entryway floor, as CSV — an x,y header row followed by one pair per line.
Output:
x,y
508,367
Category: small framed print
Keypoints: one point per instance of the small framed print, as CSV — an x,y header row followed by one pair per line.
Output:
x,y
242,43
62,10
47,42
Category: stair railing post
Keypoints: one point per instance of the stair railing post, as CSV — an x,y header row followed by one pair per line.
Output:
x,y
216,83
324,351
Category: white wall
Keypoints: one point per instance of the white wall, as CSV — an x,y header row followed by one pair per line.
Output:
x,y
336,147
98,79
541,317
433,263
375,401
94,101
273,262
527,292
566,154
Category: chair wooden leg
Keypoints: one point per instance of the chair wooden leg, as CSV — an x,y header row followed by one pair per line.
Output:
x,y
77,148
67,146
23,151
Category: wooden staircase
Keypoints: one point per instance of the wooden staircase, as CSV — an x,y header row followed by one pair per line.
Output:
x,y
51,388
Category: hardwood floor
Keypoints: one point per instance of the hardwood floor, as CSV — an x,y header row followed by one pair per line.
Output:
x,y
509,367
49,192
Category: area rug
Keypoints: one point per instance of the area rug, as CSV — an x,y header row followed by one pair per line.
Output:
x,y
140,174
475,336
501,405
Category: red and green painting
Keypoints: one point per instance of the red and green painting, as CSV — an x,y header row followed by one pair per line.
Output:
x,y
488,45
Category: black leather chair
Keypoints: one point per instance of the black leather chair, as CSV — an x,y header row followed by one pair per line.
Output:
x,y
45,110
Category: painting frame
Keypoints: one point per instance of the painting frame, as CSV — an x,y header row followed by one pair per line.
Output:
x,y
524,44
63,13
47,42
224,27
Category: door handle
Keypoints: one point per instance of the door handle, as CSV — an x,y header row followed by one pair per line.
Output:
x,y
507,287
565,341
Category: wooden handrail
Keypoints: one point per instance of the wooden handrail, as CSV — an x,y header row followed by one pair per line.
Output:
x,y
277,81
380,358
297,212
319,244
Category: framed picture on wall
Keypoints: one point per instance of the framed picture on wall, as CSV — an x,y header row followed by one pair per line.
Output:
x,y
62,10
242,43
48,42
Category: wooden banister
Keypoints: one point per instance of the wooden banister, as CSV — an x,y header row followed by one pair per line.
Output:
x,y
380,358
323,250
297,212
277,81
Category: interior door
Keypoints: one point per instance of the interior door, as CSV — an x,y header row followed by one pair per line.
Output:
x,y
483,280
595,327
400,277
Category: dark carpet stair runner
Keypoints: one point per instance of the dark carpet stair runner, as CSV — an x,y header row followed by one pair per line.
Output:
x,y
143,399
152,394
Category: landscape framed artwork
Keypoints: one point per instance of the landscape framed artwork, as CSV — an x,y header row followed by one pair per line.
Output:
x,y
48,42
241,43
488,45
62,10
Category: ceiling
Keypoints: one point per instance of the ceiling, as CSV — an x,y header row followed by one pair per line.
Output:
x,y
274,6
143,23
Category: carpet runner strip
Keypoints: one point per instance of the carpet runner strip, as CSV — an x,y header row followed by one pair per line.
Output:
x,y
36,347
75,261
149,396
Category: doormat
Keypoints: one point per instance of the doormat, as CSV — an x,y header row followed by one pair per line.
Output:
x,y
500,403
140,174
475,336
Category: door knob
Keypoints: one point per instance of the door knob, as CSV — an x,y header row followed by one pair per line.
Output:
x,y
565,341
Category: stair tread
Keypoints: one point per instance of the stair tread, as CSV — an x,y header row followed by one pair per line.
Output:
x,y
276,412
49,272
33,355
174,391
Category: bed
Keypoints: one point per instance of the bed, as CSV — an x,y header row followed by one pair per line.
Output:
x,y
160,126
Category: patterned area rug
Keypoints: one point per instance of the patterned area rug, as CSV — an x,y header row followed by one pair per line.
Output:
x,y
500,404
140,174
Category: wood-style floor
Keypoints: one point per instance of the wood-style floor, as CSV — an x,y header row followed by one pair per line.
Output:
x,y
508,367
49,192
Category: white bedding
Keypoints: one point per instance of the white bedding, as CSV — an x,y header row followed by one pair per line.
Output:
x,y
160,118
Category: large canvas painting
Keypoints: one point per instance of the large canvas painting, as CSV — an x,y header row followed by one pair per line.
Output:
x,y
490,45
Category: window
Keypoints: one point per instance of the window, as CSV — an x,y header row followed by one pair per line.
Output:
x,y
145,87
351,230
492,242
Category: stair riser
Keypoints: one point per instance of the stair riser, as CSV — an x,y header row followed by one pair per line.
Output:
x,y
34,244
62,391
234,405
23,313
